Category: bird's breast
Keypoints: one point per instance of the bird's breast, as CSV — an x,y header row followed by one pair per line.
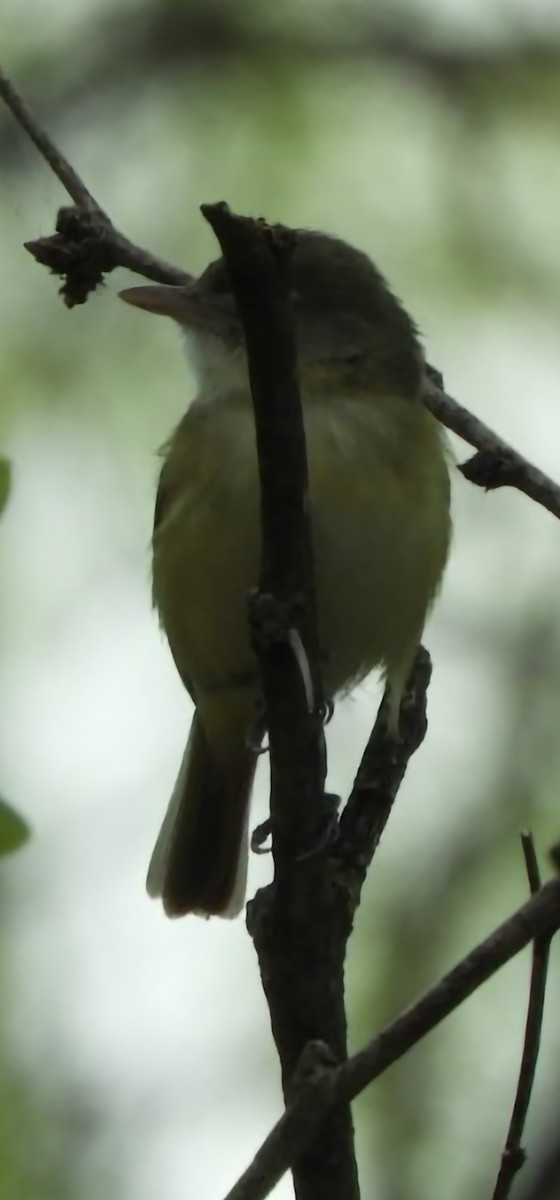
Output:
x,y
380,523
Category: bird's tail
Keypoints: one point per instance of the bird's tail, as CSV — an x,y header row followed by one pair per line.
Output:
x,y
199,863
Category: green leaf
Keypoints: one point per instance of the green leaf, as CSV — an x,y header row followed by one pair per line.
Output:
x,y
14,831
5,482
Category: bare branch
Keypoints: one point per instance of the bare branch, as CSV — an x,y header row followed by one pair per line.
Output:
x,y
514,1156
284,622
538,918
297,924
378,780
86,245
68,177
497,464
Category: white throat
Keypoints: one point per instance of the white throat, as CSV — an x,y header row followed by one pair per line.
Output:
x,y
219,368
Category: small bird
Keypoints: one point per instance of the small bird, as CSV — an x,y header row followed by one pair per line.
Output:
x,y
380,523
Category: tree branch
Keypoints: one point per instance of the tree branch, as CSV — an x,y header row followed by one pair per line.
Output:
x,y
538,918
86,245
496,464
378,780
68,177
296,926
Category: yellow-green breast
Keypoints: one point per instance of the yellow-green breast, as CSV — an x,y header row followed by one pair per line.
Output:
x,y
379,491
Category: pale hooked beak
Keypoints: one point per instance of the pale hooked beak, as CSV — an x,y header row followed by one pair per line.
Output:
x,y
162,298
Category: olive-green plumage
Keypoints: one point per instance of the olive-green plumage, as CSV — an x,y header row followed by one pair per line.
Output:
x,y
379,502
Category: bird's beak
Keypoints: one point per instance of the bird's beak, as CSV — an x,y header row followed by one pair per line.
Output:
x,y
168,301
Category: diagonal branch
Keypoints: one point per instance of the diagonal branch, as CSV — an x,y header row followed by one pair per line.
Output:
x,y
68,177
86,245
537,919
377,782
496,464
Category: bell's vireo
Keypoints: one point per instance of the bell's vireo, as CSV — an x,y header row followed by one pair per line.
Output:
x,y
379,507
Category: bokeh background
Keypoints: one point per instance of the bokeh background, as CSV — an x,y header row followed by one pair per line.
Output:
x,y
135,1054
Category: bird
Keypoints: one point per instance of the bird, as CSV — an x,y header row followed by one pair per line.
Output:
x,y
379,502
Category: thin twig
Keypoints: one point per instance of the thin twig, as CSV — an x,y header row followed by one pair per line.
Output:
x,y
86,245
496,464
538,918
68,177
378,780
514,1156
